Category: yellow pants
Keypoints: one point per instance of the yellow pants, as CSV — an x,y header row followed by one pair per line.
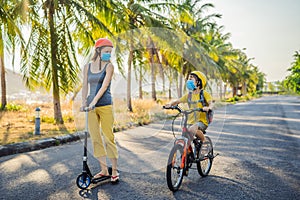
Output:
x,y
102,117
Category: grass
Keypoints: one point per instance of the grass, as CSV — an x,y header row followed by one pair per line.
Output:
x,y
17,122
247,97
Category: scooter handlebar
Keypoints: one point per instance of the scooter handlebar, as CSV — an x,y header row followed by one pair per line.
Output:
x,y
86,109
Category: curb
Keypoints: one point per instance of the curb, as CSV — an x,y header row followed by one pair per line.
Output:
x,y
23,147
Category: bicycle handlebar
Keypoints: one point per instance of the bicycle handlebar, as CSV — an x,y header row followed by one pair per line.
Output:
x,y
184,111
173,108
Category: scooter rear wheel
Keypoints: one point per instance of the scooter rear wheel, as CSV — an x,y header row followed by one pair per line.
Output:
x,y
83,181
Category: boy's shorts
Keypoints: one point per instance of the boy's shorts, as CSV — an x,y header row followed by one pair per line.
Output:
x,y
202,127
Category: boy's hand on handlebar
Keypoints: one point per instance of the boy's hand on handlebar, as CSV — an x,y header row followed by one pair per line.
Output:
x,y
206,109
167,105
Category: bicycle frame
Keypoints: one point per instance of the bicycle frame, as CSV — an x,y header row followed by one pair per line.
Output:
x,y
184,139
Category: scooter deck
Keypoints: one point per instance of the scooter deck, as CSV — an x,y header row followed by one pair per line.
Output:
x,y
100,179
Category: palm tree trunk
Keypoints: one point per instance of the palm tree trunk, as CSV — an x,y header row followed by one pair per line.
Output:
x,y
220,84
140,83
170,92
244,88
56,97
3,84
180,85
153,78
225,90
160,69
130,58
2,71
234,90
151,61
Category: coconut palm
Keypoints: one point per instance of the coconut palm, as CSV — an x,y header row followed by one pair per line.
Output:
x,y
190,18
136,15
11,17
221,52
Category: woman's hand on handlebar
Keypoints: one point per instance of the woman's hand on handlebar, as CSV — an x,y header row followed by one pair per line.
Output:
x,y
86,108
82,108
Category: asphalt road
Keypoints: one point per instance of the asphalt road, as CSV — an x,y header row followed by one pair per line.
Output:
x,y
258,142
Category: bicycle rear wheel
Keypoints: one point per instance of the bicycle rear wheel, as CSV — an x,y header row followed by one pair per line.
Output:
x,y
205,155
175,170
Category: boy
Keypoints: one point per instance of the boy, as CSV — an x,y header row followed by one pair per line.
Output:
x,y
196,98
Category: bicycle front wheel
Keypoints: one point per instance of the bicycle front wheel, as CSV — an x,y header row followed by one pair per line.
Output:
x,y
205,155
175,168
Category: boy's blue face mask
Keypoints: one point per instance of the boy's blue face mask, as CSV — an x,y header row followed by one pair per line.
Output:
x,y
190,85
105,56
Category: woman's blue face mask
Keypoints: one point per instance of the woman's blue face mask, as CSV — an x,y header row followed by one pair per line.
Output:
x,y
105,56
190,85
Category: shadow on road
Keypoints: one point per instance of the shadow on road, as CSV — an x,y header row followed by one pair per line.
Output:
x,y
258,143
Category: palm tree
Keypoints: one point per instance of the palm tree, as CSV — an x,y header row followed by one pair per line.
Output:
x,y
52,61
137,15
191,20
221,52
11,16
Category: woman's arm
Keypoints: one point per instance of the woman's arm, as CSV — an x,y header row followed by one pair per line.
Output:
x,y
84,86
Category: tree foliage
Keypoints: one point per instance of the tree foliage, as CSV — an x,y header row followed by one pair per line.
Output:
x,y
167,45
292,82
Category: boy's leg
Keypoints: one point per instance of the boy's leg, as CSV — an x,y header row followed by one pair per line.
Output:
x,y
200,135
201,128
198,129
194,129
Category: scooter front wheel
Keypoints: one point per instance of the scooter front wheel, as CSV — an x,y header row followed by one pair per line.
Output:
x,y
83,181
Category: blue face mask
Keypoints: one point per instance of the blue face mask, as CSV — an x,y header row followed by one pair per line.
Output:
x,y
190,85
105,56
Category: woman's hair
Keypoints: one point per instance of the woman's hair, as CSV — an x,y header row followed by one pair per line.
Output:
x,y
97,53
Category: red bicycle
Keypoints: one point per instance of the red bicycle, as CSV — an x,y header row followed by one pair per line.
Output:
x,y
187,149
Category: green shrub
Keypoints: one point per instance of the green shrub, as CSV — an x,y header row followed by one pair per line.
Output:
x,y
13,107
49,120
68,118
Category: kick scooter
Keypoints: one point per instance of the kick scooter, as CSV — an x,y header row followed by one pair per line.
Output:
x,y
84,180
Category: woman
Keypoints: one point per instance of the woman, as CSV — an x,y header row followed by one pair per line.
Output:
x,y
97,80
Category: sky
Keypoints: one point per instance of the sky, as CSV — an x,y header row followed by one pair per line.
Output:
x,y
268,29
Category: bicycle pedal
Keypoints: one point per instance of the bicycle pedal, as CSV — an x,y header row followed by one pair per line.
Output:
x,y
186,173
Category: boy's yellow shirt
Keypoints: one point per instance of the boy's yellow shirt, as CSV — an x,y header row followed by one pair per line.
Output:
x,y
197,116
